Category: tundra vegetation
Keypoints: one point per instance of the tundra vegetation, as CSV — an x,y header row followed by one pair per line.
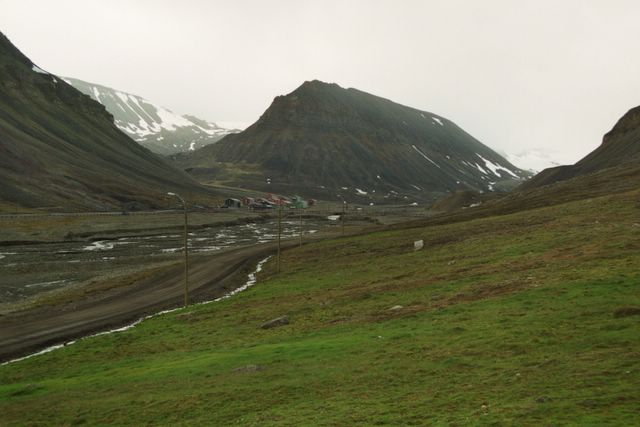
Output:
x,y
524,318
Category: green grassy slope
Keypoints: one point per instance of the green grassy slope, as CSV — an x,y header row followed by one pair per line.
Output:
x,y
520,319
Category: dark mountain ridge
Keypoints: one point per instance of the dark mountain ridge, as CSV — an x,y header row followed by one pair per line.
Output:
x,y
322,138
60,150
619,146
610,169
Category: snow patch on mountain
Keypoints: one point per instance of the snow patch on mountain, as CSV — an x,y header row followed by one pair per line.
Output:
x,y
537,159
480,168
496,168
153,126
170,120
144,118
424,155
38,69
434,119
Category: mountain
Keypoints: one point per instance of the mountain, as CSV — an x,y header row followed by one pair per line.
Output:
x,y
621,145
535,159
322,140
154,127
60,150
613,168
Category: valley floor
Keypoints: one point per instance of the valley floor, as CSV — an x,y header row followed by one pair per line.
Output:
x,y
523,319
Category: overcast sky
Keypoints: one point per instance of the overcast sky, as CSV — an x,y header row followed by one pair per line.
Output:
x,y
552,75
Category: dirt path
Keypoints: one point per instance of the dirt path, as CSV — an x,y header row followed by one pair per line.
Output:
x,y
211,276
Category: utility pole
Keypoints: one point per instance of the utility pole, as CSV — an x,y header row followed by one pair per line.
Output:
x,y
344,213
279,231
186,249
300,207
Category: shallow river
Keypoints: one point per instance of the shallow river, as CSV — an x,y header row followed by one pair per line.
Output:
x,y
30,269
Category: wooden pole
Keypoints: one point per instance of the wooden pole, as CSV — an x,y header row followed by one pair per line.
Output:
x,y
186,247
279,233
342,217
186,256
300,225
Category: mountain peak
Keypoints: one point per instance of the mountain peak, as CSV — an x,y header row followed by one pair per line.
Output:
x,y
311,89
8,49
315,85
629,122
352,143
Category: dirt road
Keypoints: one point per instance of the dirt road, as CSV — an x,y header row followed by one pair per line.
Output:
x,y
211,276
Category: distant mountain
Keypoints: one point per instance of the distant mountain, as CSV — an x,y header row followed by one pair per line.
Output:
x,y
157,128
613,168
619,146
325,141
60,150
535,159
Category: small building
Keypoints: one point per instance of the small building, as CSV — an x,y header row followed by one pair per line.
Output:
x,y
299,203
278,199
262,204
232,204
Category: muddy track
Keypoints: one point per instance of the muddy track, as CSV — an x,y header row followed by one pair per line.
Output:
x,y
209,277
